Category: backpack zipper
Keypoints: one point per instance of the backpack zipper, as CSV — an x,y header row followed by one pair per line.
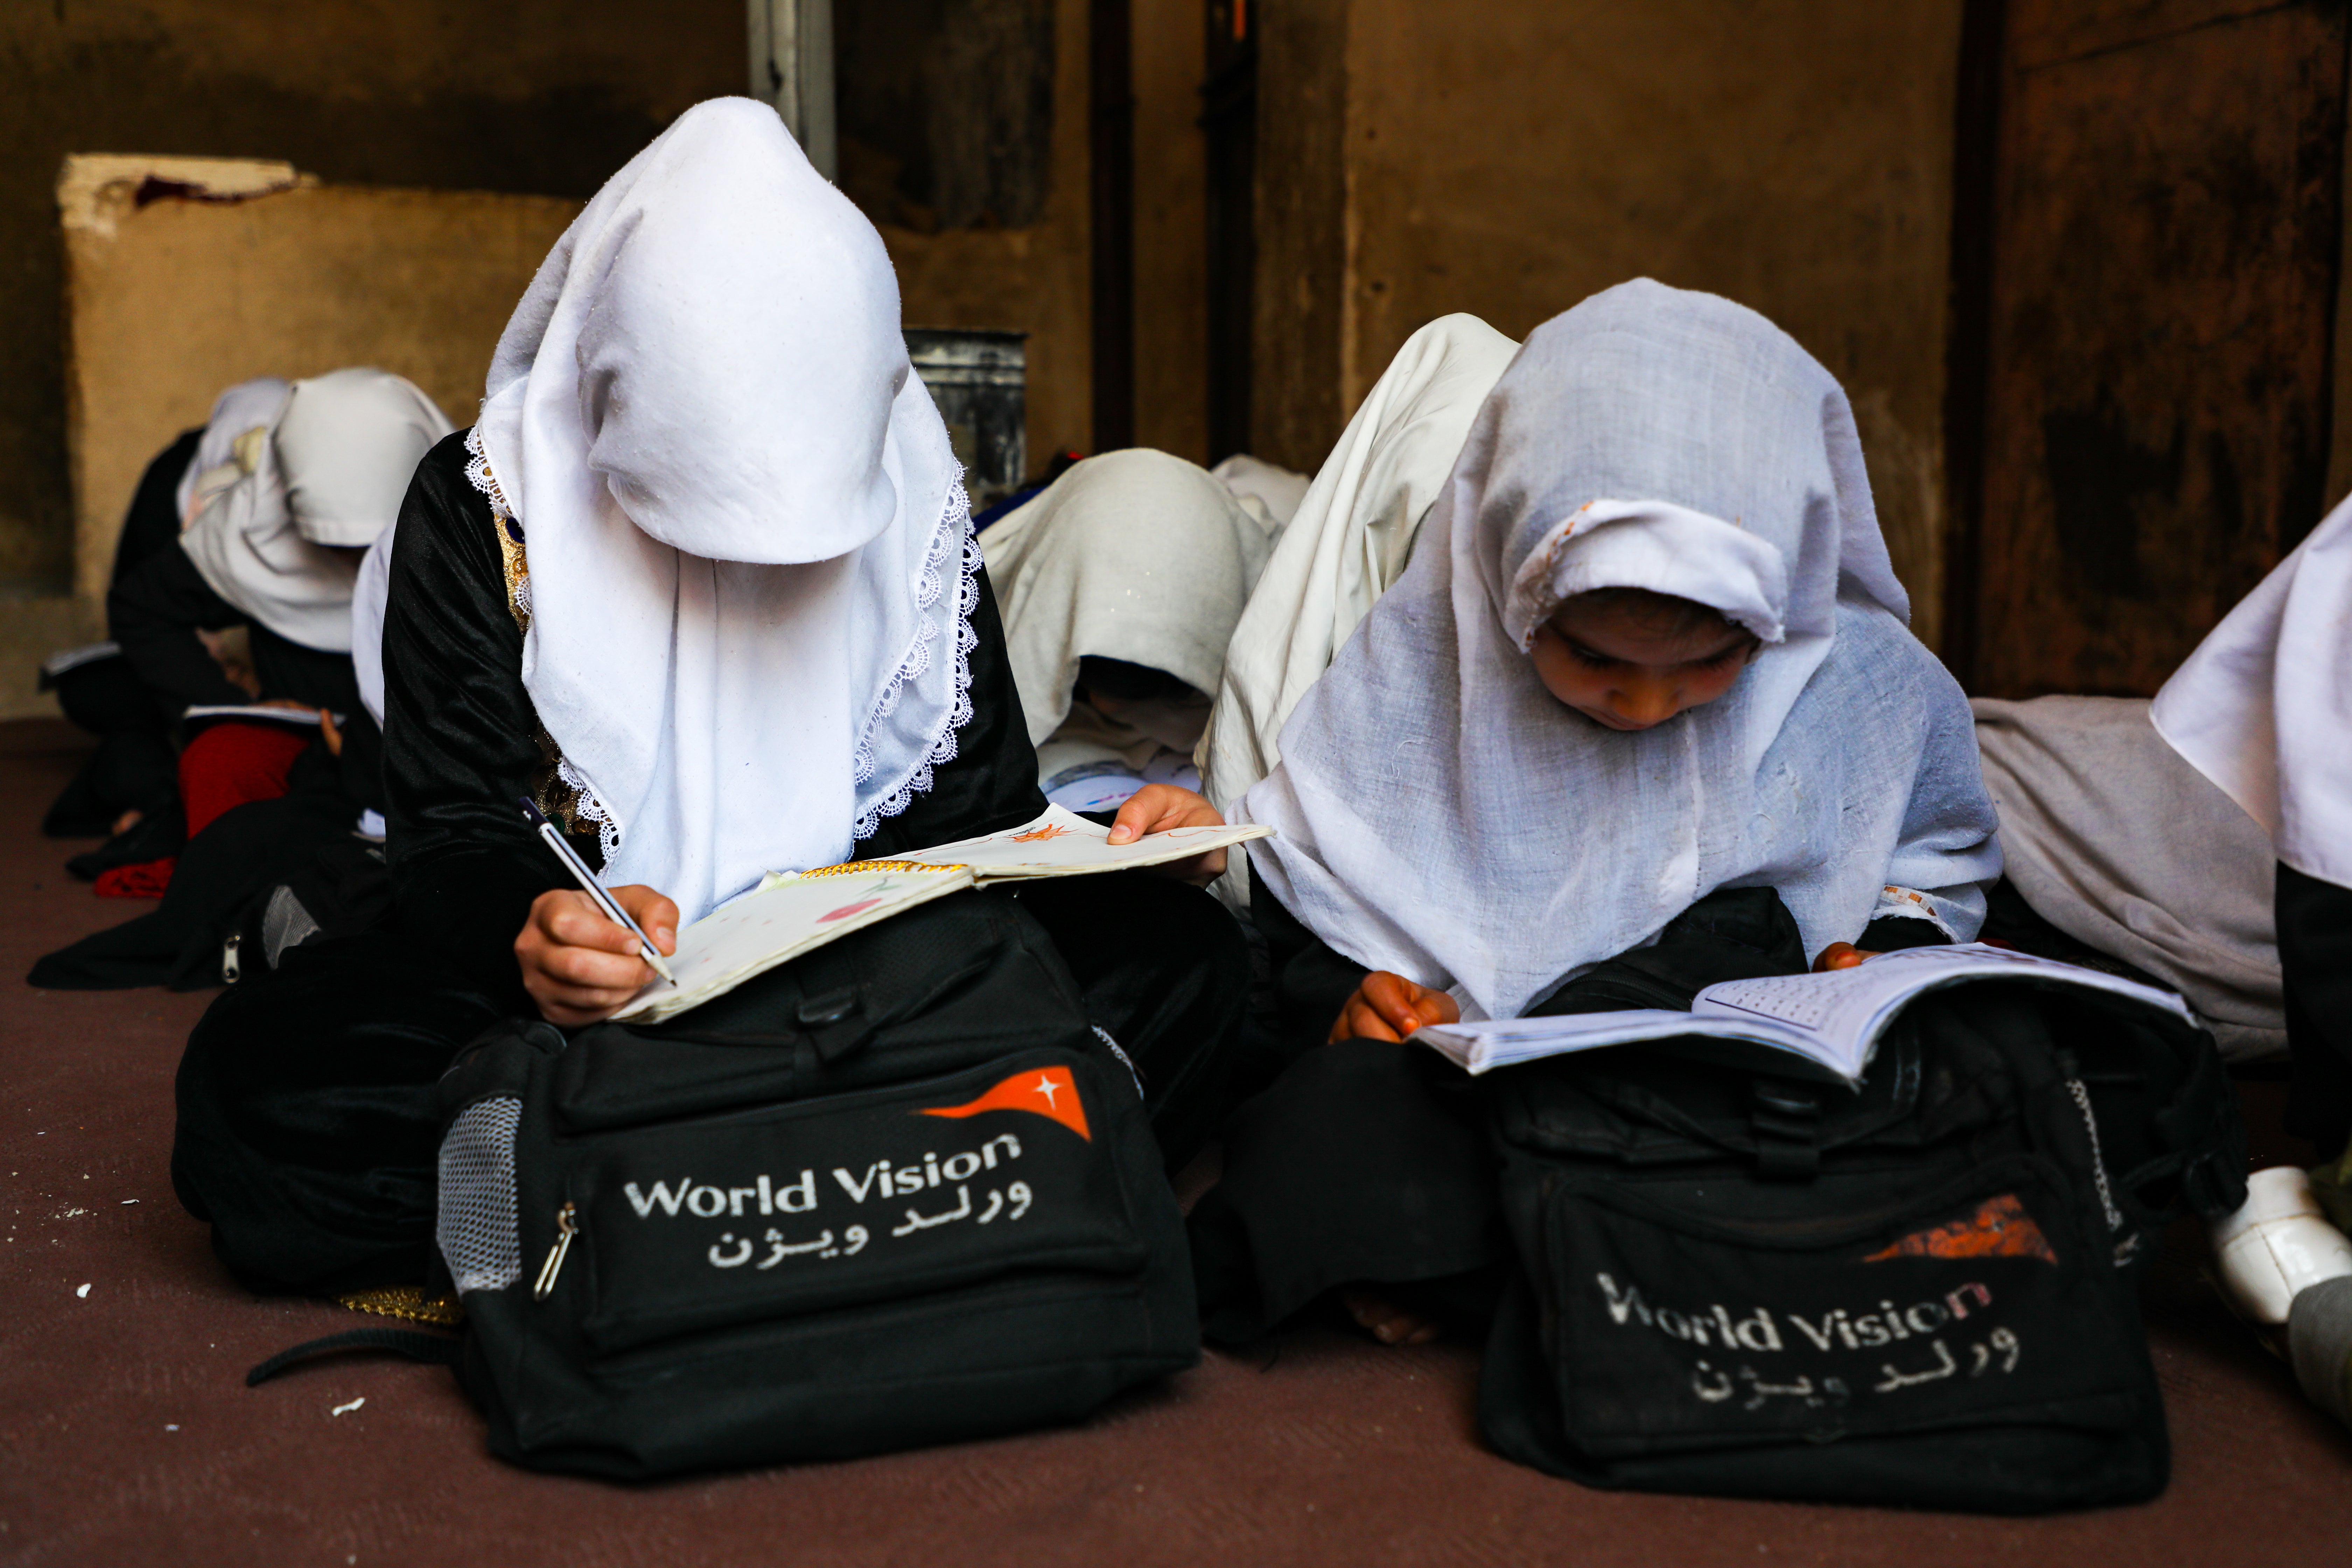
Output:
x,y
566,1228
2099,1172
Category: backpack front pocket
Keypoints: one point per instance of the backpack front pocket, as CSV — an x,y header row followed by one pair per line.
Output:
x,y
1670,1329
813,1205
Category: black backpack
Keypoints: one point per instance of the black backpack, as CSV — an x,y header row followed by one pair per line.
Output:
x,y
1922,1293
897,1191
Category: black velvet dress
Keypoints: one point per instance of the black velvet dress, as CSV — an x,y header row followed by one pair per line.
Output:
x,y
307,1125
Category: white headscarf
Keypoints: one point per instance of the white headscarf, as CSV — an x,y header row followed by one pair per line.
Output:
x,y
1346,541
749,583
370,591
2263,707
328,480
238,412
1443,816
1267,492
1131,555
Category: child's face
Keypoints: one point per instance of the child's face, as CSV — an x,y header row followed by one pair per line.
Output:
x,y
1622,670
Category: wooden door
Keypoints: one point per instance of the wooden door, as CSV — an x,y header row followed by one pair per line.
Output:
x,y
2144,323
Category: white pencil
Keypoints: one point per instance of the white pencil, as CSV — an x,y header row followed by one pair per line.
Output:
x,y
593,887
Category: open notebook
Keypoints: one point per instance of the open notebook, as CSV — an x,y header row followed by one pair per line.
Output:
x,y
793,912
1829,1024
253,713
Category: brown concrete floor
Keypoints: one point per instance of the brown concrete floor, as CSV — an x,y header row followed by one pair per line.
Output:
x,y
127,1435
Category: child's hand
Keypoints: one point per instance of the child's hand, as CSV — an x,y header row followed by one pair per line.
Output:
x,y
1839,955
1155,808
578,966
1389,1007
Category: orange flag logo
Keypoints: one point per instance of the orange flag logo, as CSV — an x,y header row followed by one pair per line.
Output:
x,y
2000,1228
1049,1092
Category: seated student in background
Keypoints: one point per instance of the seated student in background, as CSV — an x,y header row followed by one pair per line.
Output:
x,y
1650,646
2119,854
1346,541
131,774
2264,709
2207,838
1119,587
272,548
276,547
699,583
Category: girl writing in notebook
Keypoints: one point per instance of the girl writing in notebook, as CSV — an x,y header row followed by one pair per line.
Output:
x,y
699,583
1649,647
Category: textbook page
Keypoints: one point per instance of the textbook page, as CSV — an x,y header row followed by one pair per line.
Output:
x,y
1063,844
1832,1020
780,920
253,711
1494,1043
1848,1009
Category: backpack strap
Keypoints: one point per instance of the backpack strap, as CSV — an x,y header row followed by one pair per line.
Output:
x,y
433,1350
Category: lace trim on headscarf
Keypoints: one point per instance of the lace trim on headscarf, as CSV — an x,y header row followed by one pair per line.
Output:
x,y
954,530
560,790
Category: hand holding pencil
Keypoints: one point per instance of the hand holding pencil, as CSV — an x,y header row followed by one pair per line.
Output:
x,y
586,954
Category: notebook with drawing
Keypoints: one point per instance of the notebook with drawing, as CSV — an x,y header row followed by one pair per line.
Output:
x,y
1064,844
793,912
1828,1024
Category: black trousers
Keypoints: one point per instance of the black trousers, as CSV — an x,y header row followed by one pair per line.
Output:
x,y
1366,1162
308,1122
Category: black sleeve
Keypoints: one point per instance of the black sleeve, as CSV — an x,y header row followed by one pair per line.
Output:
x,y
460,733
2314,937
1312,980
361,763
314,677
1890,933
154,611
153,521
992,782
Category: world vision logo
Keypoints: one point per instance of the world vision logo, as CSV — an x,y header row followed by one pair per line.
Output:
x,y
2000,1228
1049,1092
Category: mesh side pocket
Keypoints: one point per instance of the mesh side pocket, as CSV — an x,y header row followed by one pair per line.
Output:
x,y
476,1228
285,923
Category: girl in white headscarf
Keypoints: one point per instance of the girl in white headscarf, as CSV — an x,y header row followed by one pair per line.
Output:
x,y
273,537
307,476
1650,645
1346,541
699,584
1119,586
1649,648
2264,709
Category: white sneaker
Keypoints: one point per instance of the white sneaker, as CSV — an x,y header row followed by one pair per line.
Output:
x,y
2277,1244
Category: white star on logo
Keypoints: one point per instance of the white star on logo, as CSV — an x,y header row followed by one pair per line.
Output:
x,y
1046,1086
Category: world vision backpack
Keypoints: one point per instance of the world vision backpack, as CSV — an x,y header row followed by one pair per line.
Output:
x,y
897,1191
1921,1293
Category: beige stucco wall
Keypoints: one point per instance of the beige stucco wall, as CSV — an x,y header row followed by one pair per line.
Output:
x,y
1793,155
530,96
1029,280
169,302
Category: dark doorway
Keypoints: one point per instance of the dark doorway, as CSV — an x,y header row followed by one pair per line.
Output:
x,y
946,110
1110,86
2145,242
1229,120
